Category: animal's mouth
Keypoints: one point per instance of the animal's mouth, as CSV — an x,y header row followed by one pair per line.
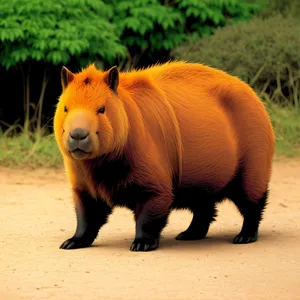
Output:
x,y
80,154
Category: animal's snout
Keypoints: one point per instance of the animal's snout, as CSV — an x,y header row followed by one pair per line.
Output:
x,y
79,134
79,140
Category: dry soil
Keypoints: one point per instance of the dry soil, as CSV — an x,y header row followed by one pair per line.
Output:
x,y
37,215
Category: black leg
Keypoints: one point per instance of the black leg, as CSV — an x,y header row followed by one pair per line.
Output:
x,y
151,217
91,215
203,216
252,212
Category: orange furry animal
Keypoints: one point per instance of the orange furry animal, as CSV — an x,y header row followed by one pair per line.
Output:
x,y
172,136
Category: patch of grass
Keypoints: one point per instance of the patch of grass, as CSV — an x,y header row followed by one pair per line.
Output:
x,y
19,151
286,123
25,151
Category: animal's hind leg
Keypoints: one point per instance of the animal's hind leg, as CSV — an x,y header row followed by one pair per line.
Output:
x,y
252,212
203,216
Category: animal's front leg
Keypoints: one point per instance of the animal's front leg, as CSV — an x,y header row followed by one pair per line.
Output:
x,y
151,217
91,215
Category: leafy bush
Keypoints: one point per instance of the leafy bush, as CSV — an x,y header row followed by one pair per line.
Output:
x,y
271,7
151,28
53,33
264,53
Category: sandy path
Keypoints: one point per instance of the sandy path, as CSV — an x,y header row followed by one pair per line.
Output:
x,y
36,215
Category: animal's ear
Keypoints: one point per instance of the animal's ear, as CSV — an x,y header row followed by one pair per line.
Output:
x,y
66,77
111,78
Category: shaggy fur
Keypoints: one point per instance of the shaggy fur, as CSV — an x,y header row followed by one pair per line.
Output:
x,y
173,136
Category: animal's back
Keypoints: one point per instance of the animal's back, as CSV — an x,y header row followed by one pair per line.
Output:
x,y
224,126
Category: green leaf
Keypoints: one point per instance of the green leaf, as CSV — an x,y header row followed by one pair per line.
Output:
x,y
56,31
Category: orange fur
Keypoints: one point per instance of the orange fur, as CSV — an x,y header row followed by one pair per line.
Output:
x,y
180,122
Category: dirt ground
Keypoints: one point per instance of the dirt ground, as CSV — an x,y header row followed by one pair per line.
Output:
x,y
37,215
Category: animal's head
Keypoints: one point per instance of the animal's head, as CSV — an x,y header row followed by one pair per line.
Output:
x,y
90,119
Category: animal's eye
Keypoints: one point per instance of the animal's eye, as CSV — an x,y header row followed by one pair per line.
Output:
x,y
65,109
101,110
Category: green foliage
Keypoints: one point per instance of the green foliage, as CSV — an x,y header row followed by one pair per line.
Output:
x,y
135,19
264,53
150,26
55,32
203,16
44,30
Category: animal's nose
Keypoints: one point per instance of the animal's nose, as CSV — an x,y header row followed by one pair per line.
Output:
x,y
79,134
79,139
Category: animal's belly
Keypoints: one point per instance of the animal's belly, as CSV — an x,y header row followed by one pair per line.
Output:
x,y
213,169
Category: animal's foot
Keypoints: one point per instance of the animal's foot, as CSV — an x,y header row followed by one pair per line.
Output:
x,y
144,244
245,238
74,243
